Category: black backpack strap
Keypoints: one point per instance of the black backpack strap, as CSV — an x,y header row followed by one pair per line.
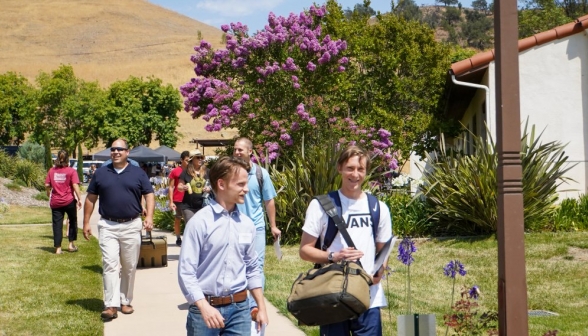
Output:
x,y
336,222
259,176
374,205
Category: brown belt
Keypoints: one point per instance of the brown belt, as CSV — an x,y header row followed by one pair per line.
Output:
x,y
225,300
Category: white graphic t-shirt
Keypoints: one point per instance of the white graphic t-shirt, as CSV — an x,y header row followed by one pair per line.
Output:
x,y
356,214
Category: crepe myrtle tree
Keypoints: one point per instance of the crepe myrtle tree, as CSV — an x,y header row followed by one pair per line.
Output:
x,y
278,87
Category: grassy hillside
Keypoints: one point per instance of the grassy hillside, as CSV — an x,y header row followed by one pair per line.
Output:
x,y
104,40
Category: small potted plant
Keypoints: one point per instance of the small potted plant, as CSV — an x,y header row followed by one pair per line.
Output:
x,y
411,324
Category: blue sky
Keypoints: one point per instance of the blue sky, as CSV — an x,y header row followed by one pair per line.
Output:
x,y
254,13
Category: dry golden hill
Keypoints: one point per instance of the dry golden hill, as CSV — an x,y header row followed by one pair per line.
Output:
x,y
104,40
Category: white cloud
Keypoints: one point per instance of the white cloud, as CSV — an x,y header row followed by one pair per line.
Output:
x,y
238,8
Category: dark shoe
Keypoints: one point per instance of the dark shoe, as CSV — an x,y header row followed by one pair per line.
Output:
x,y
127,309
179,241
254,312
109,313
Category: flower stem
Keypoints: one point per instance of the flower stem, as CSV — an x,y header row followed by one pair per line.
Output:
x,y
451,306
408,292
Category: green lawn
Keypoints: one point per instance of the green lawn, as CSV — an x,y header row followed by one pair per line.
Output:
x,y
46,294
557,269
26,215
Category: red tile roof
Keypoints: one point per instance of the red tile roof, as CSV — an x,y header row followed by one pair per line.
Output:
x,y
483,59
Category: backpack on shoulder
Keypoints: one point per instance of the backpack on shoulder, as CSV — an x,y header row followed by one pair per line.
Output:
x,y
338,291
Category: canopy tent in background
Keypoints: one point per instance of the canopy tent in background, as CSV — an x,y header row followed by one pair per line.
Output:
x,y
102,155
139,154
170,153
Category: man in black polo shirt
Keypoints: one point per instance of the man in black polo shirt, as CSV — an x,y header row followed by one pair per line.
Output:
x,y
119,186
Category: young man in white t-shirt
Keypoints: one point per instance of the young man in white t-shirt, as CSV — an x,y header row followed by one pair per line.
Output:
x,y
353,163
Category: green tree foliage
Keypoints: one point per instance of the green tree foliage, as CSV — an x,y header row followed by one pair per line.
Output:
x,y
80,166
448,2
458,53
69,110
32,151
360,9
477,30
396,76
452,16
574,8
17,106
140,109
540,15
408,9
481,6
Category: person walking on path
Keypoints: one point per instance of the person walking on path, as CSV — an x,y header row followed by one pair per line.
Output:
x,y
61,183
256,198
218,262
352,165
176,196
120,187
193,182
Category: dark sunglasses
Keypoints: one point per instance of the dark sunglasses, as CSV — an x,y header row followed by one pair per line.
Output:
x,y
118,149
199,157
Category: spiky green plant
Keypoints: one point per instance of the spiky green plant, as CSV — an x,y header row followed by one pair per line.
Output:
x,y
463,188
310,172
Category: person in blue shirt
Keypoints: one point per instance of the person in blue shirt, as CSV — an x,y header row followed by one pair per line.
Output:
x,y
255,200
218,262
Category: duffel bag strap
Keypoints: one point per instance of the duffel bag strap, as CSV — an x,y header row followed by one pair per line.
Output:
x,y
331,211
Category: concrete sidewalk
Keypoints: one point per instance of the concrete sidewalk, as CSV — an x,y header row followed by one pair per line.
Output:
x,y
160,307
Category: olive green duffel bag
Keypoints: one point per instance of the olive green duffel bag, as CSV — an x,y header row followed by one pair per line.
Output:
x,y
330,294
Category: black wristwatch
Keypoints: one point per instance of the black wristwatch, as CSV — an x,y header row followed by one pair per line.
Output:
x,y
330,257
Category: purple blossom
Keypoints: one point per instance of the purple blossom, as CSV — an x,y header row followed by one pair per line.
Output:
x,y
296,86
312,121
310,66
405,251
285,137
251,115
225,28
453,268
272,146
474,292
295,79
295,126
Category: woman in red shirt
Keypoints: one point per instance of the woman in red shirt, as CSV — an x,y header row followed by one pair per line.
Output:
x,y
61,183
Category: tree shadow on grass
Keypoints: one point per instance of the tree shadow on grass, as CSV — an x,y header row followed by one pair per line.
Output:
x,y
93,268
95,305
46,237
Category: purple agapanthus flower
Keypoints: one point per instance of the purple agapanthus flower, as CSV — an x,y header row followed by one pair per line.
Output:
x,y
474,292
453,268
405,251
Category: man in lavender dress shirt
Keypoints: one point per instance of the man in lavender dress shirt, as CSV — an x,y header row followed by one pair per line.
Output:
x,y
218,262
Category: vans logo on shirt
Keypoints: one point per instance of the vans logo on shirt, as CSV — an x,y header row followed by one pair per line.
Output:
x,y
359,221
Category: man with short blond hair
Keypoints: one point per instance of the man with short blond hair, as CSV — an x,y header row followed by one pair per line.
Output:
x,y
353,165
218,262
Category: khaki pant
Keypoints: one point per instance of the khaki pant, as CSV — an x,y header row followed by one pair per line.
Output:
x,y
120,244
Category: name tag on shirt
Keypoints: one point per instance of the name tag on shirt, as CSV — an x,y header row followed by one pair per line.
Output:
x,y
245,238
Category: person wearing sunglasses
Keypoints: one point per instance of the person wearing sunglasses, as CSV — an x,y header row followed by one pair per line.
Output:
x,y
120,186
193,182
